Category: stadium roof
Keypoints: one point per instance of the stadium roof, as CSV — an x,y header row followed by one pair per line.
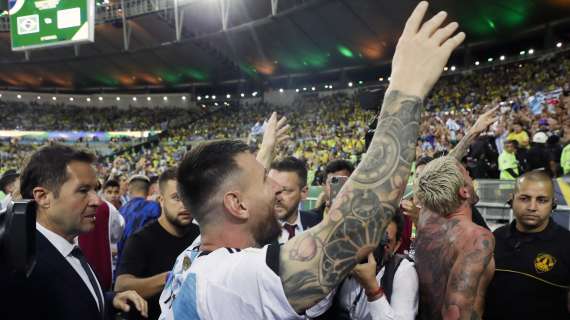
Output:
x,y
261,43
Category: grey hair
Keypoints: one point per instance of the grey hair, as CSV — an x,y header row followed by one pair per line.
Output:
x,y
437,187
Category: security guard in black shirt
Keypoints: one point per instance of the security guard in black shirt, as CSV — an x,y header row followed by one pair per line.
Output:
x,y
532,257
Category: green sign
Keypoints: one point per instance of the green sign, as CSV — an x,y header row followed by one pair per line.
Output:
x,y
48,23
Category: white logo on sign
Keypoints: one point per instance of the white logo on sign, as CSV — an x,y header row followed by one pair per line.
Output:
x,y
28,24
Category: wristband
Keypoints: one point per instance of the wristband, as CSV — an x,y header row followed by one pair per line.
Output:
x,y
375,295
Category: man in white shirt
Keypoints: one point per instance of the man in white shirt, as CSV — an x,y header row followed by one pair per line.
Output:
x,y
62,285
291,175
389,291
234,273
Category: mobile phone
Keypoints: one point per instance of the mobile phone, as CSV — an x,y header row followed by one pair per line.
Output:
x,y
335,186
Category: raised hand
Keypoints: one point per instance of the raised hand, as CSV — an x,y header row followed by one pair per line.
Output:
x,y
422,52
485,120
316,261
276,132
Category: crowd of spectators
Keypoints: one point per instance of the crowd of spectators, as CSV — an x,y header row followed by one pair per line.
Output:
x,y
532,95
64,117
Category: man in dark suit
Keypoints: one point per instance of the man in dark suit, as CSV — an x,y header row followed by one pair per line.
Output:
x,y
62,182
291,174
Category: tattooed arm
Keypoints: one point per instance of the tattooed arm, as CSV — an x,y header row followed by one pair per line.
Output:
x,y
484,121
316,261
469,278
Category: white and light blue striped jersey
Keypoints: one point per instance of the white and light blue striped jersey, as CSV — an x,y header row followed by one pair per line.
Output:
x,y
224,284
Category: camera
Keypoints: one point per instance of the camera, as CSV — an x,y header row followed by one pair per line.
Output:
x,y
18,237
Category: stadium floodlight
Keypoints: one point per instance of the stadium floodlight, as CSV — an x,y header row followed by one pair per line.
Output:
x,y
476,63
350,84
88,99
213,97
389,78
204,106
452,68
304,89
242,95
216,104
326,86
39,98
445,69
148,98
522,53
360,82
134,98
530,51
490,59
0,95
559,45
54,98
502,58
165,98
118,98
381,79
296,90
184,98
19,96
199,98
228,96
100,98
207,97
330,86
281,90
71,99
254,93
313,88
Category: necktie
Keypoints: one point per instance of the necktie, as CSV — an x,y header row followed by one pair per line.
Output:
x,y
291,229
76,252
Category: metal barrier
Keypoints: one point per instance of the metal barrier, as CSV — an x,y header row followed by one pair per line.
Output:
x,y
493,197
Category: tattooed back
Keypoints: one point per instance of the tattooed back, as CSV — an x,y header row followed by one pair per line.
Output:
x,y
454,265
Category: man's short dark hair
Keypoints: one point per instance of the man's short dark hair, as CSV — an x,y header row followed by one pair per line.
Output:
x,y
292,164
47,167
8,178
535,175
139,183
203,170
423,161
111,184
515,143
398,219
338,165
167,175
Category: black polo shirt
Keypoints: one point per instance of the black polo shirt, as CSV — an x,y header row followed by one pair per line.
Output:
x,y
532,275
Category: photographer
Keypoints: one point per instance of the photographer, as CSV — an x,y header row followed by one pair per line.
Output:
x,y
62,183
384,287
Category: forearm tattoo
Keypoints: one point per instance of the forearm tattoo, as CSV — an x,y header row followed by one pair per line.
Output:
x,y
315,262
460,150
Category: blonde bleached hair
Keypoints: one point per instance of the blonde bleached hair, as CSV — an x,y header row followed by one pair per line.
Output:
x,y
437,187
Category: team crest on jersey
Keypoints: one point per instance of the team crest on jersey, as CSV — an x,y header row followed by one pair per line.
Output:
x,y
186,263
544,262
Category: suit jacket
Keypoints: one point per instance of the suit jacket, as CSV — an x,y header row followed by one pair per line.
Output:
x,y
309,219
53,290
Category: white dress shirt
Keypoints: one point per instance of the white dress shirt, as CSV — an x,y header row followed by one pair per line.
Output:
x,y
298,229
403,305
65,247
